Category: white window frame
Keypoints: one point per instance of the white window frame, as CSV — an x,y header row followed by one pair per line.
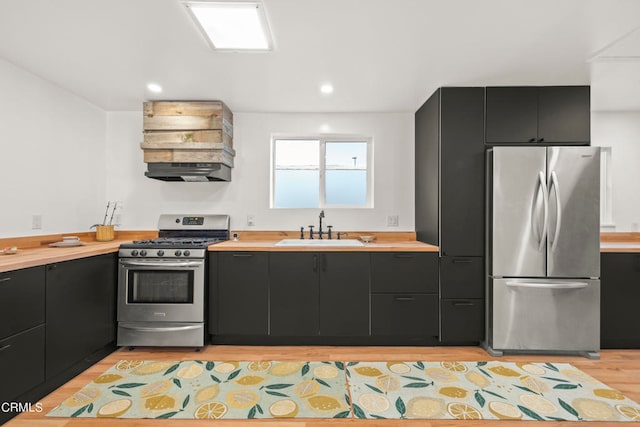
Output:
x,y
323,139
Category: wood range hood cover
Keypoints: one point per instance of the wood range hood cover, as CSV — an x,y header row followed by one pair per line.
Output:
x,y
189,141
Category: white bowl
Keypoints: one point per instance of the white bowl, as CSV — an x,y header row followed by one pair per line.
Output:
x,y
367,239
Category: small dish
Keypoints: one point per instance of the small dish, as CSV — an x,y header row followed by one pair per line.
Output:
x,y
367,239
67,244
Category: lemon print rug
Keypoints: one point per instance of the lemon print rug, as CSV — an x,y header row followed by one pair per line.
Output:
x,y
483,390
213,390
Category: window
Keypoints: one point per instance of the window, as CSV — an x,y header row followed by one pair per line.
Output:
x,y
321,172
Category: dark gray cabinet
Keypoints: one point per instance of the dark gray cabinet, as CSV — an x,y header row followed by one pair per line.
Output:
x,y
449,177
21,300
450,164
80,310
239,297
548,115
404,299
620,293
22,316
21,363
318,294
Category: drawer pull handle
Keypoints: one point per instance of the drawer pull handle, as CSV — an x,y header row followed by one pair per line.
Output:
x,y
5,347
404,256
405,299
5,279
462,261
463,304
242,255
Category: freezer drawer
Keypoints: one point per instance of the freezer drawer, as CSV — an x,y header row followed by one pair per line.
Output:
x,y
542,314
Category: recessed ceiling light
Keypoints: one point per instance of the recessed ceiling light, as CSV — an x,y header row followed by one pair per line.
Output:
x,y
326,88
154,87
232,25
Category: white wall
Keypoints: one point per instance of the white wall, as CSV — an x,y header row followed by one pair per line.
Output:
x,y
52,156
620,130
248,192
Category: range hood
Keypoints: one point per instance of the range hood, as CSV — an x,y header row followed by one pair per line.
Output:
x,y
189,172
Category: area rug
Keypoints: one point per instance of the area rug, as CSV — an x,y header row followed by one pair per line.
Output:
x,y
372,390
212,390
483,390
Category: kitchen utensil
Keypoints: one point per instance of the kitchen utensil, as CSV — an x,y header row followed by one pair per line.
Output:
x,y
115,206
104,221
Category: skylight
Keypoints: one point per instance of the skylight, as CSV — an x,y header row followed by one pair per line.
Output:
x,y
232,25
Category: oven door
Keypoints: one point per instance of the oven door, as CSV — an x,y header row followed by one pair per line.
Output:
x,y
161,290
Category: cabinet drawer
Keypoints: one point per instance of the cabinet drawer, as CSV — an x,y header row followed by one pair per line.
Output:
x,y
406,315
21,363
21,300
411,272
461,277
462,321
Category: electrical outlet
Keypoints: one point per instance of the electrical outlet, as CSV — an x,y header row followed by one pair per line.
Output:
x,y
392,221
251,220
36,222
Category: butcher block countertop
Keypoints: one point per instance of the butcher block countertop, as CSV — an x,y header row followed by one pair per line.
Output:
x,y
265,241
35,250
620,242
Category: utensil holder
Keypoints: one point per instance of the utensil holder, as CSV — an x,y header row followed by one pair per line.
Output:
x,y
104,233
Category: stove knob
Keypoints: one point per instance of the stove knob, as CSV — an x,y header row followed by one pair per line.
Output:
x,y
178,253
187,253
134,252
143,253
160,252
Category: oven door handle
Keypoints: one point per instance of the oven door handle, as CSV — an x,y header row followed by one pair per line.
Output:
x,y
185,264
160,328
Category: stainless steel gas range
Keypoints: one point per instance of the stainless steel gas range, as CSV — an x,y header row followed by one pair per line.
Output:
x,y
162,282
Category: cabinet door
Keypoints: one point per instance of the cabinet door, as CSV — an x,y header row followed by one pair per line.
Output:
x,y
21,300
293,286
564,114
404,315
620,276
511,115
21,363
462,172
344,294
462,321
411,272
240,300
461,277
80,316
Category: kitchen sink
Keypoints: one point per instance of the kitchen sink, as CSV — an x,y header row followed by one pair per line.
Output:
x,y
320,243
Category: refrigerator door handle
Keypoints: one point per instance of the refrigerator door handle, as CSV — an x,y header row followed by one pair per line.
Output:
x,y
535,224
545,285
556,190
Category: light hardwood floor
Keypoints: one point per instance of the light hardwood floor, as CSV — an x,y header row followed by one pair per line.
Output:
x,y
619,369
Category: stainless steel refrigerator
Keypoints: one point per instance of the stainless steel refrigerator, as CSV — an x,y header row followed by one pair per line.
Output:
x,y
543,247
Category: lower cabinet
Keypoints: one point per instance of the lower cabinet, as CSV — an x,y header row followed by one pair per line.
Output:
x,y
461,300
404,316
21,363
462,321
319,294
404,299
80,310
239,297
620,293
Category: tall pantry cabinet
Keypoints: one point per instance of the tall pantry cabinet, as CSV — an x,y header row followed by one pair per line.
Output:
x,y
449,213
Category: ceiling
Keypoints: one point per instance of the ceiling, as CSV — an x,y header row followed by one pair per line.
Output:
x,y
380,55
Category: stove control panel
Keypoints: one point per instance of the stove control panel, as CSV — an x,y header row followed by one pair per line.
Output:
x,y
161,253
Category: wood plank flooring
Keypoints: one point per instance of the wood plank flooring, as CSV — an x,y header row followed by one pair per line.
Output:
x,y
619,369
